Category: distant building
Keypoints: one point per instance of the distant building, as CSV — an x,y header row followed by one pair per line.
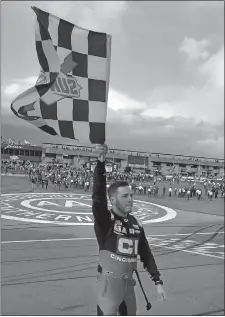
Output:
x,y
24,152
140,162
155,163
76,156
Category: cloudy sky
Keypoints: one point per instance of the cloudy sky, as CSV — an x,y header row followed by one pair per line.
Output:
x,y
167,71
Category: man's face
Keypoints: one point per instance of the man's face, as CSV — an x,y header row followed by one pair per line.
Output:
x,y
124,199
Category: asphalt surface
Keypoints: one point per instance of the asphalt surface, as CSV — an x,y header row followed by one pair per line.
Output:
x,y
49,269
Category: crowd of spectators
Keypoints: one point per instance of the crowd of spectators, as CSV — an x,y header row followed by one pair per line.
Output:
x,y
19,165
9,165
66,177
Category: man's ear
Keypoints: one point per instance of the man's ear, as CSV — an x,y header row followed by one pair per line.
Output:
x,y
112,200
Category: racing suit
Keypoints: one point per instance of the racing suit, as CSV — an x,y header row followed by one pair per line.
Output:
x,y
120,241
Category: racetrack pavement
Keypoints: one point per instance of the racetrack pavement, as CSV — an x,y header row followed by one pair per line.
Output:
x,y
50,269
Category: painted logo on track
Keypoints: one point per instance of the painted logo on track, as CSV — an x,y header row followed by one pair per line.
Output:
x,y
70,209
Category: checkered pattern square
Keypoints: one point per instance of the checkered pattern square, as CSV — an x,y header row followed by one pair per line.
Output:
x,y
97,44
79,40
81,130
66,129
70,96
65,109
81,62
97,67
49,111
97,112
97,90
80,110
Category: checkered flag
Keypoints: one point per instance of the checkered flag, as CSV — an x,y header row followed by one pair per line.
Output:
x,y
70,95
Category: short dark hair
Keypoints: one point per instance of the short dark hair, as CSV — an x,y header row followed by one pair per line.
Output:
x,y
114,186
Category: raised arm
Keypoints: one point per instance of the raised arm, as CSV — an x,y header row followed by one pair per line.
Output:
x,y
100,210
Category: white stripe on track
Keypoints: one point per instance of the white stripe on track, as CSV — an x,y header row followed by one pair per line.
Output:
x,y
182,234
152,244
47,240
188,251
76,239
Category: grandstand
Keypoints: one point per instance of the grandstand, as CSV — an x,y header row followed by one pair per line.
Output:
x,y
24,152
156,163
140,162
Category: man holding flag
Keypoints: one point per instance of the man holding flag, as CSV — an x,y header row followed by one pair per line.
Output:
x,y
70,100
121,239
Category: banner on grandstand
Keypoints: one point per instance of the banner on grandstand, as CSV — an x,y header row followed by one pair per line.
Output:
x,y
140,160
136,165
71,93
109,166
14,158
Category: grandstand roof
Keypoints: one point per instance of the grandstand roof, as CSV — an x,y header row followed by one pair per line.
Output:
x,y
22,146
157,157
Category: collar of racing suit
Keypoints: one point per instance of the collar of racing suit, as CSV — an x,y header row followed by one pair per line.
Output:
x,y
124,220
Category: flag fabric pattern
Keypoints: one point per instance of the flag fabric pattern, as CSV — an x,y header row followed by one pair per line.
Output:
x,y
70,95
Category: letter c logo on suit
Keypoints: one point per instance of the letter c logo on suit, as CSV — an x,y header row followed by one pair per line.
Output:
x,y
127,246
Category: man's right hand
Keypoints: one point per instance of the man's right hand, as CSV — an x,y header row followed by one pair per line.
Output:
x,y
102,150
161,293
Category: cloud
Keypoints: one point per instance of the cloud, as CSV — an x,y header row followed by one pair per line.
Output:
x,y
58,8
122,102
15,88
161,110
147,131
175,120
11,90
171,135
18,86
208,4
118,102
102,16
194,49
214,69
205,103
204,100
215,145
154,103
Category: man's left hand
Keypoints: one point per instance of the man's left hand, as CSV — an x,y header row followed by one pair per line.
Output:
x,y
161,293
